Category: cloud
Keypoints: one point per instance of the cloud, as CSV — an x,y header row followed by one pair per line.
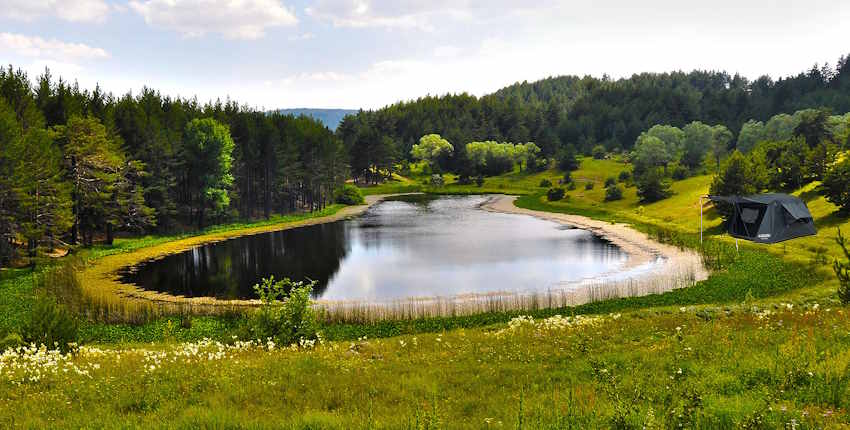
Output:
x,y
234,19
414,14
447,51
302,36
68,10
48,49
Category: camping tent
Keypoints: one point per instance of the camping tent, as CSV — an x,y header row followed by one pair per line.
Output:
x,y
768,218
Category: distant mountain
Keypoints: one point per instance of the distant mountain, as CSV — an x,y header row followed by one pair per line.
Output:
x,y
329,117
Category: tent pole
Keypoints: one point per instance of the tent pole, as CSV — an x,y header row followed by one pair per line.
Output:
x,y
700,220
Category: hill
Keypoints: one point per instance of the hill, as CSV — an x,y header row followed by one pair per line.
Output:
x,y
589,111
329,117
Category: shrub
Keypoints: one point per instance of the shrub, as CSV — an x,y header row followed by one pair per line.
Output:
x,y
598,152
625,176
479,180
437,180
349,195
286,318
464,179
610,181
653,186
568,177
588,186
842,271
571,186
680,172
613,192
566,158
537,164
836,185
555,194
51,324
545,183
11,340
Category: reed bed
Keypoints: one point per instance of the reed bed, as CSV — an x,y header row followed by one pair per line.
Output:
x,y
361,312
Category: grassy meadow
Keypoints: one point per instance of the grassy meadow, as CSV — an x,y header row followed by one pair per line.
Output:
x,y
763,343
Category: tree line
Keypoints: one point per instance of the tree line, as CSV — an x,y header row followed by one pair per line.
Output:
x,y
785,153
75,164
586,112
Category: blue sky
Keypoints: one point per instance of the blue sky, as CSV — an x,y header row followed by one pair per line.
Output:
x,y
369,53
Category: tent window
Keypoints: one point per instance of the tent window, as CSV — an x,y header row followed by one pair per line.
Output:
x,y
749,219
749,215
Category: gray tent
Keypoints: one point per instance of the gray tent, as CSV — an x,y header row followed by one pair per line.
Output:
x,y
768,218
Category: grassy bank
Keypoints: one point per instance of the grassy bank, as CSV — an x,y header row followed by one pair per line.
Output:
x,y
762,343
17,285
776,367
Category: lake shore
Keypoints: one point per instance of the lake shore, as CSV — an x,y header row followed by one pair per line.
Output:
x,y
100,280
640,247
676,269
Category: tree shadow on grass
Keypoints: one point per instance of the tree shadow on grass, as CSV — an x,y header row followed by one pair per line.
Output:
x,y
832,220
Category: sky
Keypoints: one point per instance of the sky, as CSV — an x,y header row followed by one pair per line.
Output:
x,y
368,53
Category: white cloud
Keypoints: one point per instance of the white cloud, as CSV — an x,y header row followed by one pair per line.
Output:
x,y
48,49
302,36
447,51
427,15
68,10
234,19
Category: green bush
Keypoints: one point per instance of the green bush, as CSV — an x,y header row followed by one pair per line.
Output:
x,y
680,172
610,181
598,152
285,317
437,180
625,176
545,183
588,186
613,192
653,186
479,181
566,158
349,195
568,177
11,340
571,186
836,185
555,194
51,324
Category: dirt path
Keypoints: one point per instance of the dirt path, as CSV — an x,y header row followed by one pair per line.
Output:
x,y
639,246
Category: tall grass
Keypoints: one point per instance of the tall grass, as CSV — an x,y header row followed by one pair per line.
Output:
x,y
363,312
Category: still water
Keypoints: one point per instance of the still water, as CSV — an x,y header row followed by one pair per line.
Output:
x,y
415,246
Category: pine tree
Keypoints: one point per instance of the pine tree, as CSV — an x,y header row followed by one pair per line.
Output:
x,y
93,164
43,196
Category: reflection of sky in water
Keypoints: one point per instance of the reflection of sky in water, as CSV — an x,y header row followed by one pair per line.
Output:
x,y
425,247
448,246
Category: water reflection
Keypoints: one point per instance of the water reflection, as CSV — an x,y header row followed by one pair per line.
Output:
x,y
401,248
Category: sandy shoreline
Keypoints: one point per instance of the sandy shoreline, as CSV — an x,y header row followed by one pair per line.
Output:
x,y
639,246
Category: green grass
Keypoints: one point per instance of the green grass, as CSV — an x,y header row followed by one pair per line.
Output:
x,y
17,285
708,368
762,343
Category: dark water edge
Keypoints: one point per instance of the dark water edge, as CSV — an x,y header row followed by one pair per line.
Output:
x,y
407,246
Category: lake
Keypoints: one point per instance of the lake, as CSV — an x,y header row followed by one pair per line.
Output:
x,y
410,246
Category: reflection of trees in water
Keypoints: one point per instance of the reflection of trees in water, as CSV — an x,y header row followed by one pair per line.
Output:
x,y
230,269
